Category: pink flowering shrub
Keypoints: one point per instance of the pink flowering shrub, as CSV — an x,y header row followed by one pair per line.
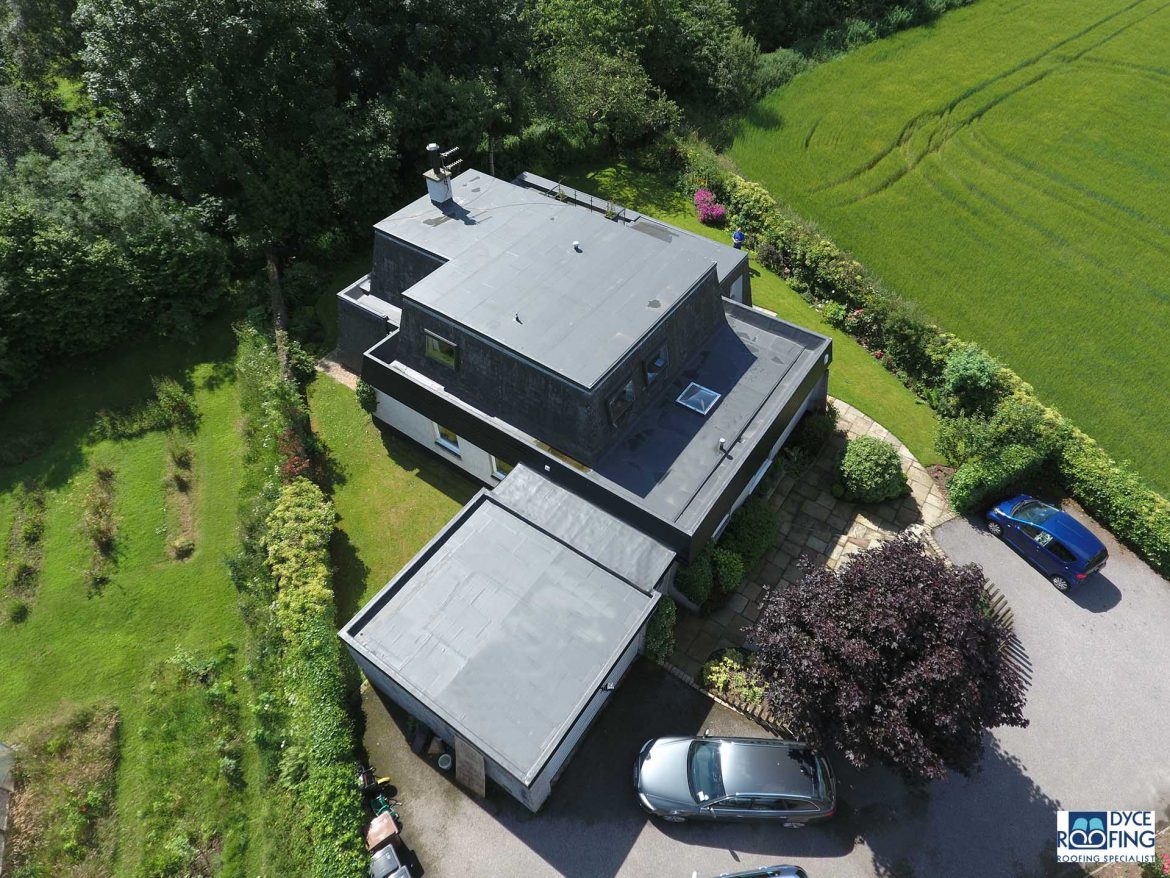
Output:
x,y
710,212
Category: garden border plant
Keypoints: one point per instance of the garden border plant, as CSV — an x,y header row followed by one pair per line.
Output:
x,y
100,526
24,550
918,352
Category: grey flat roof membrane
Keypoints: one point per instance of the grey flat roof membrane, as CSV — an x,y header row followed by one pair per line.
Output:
x,y
513,275
669,453
612,543
502,630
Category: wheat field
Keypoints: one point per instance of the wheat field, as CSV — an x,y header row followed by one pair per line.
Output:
x,y
1008,169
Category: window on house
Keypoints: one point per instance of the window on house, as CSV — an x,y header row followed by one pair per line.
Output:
x,y
446,438
653,368
500,468
441,351
620,402
698,398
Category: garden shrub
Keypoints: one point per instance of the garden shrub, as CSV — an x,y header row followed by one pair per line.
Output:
x,y
870,471
731,674
971,381
779,68
367,396
728,569
982,481
963,438
750,206
695,580
751,532
835,314
711,213
660,630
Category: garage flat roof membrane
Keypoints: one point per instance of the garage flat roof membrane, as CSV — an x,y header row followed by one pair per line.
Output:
x,y
505,631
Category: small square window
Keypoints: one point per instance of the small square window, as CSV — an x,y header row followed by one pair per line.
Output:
x,y
620,402
699,398
653,368
500,468
441,351
446,439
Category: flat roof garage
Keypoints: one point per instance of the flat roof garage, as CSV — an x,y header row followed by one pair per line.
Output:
x,y
509,629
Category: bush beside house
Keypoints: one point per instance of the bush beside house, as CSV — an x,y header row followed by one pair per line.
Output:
x,y
870,471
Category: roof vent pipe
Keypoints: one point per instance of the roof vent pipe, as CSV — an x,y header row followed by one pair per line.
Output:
x,y
436,162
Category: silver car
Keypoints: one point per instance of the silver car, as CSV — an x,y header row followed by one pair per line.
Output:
x,y
734,779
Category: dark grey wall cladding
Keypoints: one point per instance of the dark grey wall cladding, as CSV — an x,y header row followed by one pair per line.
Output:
x,y
692,321
545,405
357,331
499,383
398,267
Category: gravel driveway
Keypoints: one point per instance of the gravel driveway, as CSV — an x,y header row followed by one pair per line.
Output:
x,y
1098,705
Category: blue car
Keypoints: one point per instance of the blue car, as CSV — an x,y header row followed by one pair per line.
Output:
x,y
1053,541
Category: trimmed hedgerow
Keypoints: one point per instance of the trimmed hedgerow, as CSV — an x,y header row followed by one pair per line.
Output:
x,y
660,630
751,532
982,481
1117,498
869,471
728,568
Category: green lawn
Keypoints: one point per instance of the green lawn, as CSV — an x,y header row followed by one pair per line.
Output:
x,y
391,496
855,376
1005,167
79,649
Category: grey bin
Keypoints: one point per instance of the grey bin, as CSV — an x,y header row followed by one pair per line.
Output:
x,y
385,864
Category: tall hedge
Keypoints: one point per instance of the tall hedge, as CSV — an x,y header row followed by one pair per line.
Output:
x,y
298,532
1117,498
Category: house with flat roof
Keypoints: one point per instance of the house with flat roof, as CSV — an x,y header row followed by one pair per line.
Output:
x,y
606,375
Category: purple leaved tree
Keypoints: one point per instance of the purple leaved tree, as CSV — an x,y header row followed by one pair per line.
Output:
x,y
892,658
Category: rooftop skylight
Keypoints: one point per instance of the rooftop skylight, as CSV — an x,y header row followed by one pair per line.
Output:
x,y
698,398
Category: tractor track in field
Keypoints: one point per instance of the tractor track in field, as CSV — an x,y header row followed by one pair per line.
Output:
x,y
939,117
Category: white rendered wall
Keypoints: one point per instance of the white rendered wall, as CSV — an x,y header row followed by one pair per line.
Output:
x,y
473,460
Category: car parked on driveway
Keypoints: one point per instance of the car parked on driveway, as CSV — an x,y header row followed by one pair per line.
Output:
x,y
1051,540
734,779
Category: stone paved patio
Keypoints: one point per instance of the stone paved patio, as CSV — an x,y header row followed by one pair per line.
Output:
x,y
814,524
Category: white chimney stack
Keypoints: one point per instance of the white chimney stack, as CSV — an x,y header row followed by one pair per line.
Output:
x,y
438,180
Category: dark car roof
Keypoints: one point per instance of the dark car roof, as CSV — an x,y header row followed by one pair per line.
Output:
x,y
767,767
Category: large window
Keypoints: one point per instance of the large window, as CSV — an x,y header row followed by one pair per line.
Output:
x,y
653,368
500,468
620,402
441,351
445,438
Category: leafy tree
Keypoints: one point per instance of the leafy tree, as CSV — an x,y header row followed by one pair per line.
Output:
x,y
891,658
237,106
612,96
88,253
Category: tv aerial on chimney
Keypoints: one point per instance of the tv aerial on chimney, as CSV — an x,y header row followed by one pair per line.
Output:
x,y
444,165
